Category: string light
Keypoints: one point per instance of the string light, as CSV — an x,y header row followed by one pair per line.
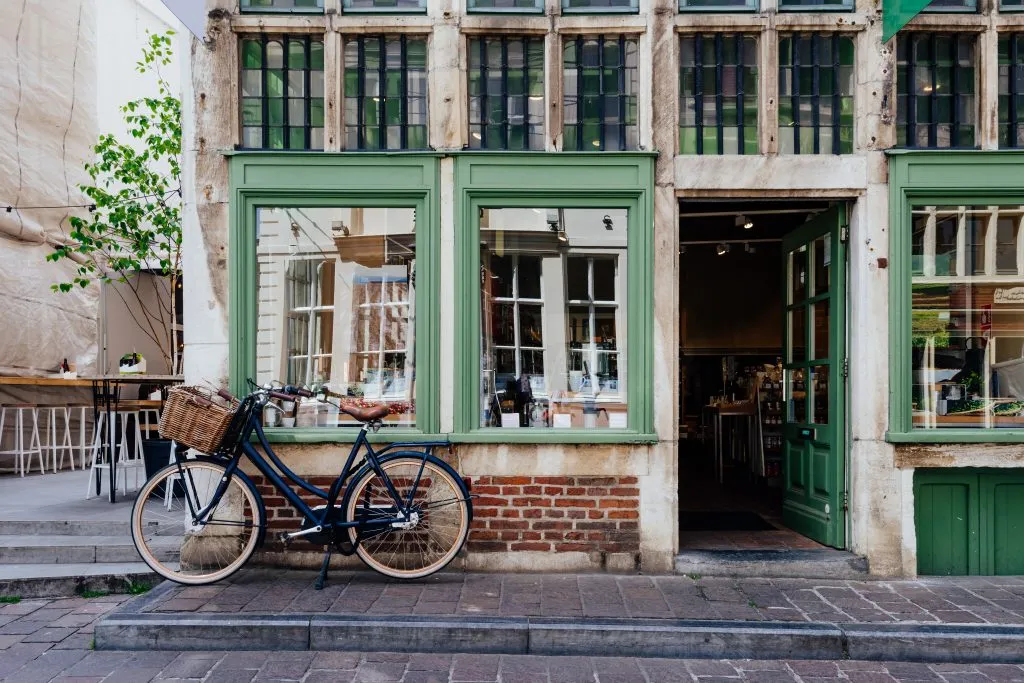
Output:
x,y
92,205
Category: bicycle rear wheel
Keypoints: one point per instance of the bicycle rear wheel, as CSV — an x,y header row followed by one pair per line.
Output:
x,y
439,524
195,552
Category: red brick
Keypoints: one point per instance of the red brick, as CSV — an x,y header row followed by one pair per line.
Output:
x,y
627,480
608,526
533,513
541,526
598,481
532,490
490,500
484,535
508,524
488,546
531,545
481,480
510,490
619,503
575,503
484,512
576,514
512,481
487,490
530,535
575,491
629,525
553,490
574,535
595,514
510,512
478,524
285,512
623,514
509,535
554,480
554,514
619,491
531,502
569,547
594,535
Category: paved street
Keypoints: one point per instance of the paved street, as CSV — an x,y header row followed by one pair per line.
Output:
x,y
44,640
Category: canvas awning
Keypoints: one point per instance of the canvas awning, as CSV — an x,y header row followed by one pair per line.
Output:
x,y
897,13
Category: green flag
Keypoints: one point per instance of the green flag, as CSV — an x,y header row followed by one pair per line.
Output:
x,y
896,14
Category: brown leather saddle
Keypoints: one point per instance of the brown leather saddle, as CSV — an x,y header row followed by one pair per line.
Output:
x,y
370,413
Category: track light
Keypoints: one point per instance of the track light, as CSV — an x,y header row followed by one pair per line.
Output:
x,y
722,249
749,249
742,220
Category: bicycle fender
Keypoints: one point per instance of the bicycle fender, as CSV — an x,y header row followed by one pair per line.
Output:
x,y
416,454
262,508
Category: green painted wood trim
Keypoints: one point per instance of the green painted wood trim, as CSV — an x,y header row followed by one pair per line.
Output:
x,y
897,13
570,180
323,180
920,178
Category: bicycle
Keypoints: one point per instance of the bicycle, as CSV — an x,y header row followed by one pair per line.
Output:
x,y
405,513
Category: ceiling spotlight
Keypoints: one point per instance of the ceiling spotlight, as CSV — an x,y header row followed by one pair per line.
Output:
x,y
682,248
722,249
742,220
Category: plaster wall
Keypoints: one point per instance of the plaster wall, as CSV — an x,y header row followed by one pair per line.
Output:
x,y
880,497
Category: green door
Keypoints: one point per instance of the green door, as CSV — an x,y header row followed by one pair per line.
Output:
x,y
814,339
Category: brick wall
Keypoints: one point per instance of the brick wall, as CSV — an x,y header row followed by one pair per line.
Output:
x,y
556,514
548,514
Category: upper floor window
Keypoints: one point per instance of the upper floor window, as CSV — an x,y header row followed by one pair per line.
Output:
x,y
935,101
600,94
282,5
718,5
282,93
1011,90
718,94
385,92
952,6
816,5
506,93
587,6
816,94
1011,5
385,6
501,6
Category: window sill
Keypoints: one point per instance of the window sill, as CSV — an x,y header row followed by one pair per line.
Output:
x,y
526,435
954,436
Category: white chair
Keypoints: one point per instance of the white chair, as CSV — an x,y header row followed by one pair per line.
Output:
x,y
22,453
53,420
80,434
118,448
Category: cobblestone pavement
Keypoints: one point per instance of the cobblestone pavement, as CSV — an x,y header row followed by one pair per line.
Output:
x,y
973,600
50,640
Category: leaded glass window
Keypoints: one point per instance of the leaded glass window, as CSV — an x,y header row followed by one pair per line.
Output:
x,y
588,6
506,93
935,101
282,94
600,94
816,93
385,6
717,5
718,94
386,92
1011,90
816,5
282,5
510,6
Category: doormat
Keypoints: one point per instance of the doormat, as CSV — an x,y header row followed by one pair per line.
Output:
x,y
722,520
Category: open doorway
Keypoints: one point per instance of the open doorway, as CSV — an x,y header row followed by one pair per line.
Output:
x,y
761,422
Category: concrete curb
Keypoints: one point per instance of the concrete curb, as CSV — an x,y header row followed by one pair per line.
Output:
x,y
131,628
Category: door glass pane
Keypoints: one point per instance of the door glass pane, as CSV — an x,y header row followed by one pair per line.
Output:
x,y
798,274
821,325
797,335
819,394
796,395
822,248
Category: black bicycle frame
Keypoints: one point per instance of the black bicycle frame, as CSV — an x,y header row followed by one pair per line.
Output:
x,y
244,446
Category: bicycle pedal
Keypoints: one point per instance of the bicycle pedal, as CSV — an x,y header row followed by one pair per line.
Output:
x,y
285,540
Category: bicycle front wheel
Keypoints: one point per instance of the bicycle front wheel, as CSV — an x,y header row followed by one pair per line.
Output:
x,y
189,551
432,537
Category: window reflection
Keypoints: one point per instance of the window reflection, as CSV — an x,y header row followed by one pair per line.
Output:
x,y
336,306
553,288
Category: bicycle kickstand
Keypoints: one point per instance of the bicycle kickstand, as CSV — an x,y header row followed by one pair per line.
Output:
x,y
320,580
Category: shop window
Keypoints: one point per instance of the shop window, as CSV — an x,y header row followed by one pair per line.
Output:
x,y
385,6
282,5
1011,90
600,101
335,304
510,6
506,93
936,104
718,94
282,93
553,284
816,93
385,92
967,321
718,5
593,6
816,5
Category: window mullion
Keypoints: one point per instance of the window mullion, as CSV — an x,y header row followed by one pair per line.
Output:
x,y
485,109
579,93
622,92
403,104
933,100
698,87
265,92
740,117
526,92
286,141
719,118
382,94
600,94
836,99
955,69
361,93
816,91
794,90
1012,124
504,92
911,81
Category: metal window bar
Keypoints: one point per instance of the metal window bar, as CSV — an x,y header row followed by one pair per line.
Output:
x,y
836,99
381,122
1012,71
698,74
740,113
286,127
911,70
360,93
699,90
602,121
403,104
932,94
794,90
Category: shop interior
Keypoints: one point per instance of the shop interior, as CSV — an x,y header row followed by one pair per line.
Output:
x,y
731,402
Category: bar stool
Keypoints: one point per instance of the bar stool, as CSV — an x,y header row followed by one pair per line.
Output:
x,y
118,448
18,413
81,430
48,417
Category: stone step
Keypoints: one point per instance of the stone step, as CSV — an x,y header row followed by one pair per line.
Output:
x,y
825,563
54,580
71,549
65,528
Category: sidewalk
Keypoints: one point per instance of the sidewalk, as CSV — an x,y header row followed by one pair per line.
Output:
x,y
937,619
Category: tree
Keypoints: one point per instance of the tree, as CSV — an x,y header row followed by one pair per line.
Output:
x,y
134,220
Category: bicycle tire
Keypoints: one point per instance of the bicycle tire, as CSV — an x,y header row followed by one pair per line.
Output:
x,y
449,531
161,511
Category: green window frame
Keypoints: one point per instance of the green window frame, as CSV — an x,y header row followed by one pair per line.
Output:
x,y
564,180
936,178
281,92
266,179
283,6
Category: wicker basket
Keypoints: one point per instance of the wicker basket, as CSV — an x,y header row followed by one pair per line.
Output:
x,y
196,417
